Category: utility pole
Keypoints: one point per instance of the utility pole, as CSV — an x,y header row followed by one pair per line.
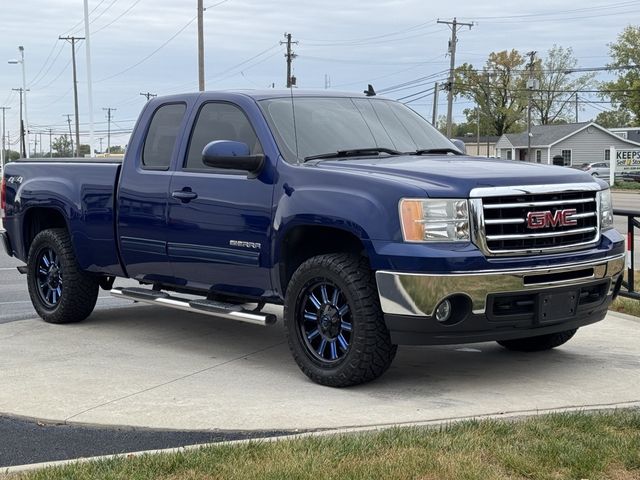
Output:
x,y
100,139
327,81
577,107
291,80
454,26
200,45
23,150
531,85
73,40
35,145
478,131
68,115
149,95
434,115
109,110
3,136
50,143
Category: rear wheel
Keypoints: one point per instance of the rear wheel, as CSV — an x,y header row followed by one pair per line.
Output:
x,y
539,343
60,291
335,327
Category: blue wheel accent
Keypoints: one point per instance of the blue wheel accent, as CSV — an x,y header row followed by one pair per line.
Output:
x,y
325,322
49,277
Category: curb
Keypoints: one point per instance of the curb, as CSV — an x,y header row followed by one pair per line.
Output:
x,y
511,415
623,316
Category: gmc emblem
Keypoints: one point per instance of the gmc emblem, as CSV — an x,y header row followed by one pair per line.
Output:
x,y
547,219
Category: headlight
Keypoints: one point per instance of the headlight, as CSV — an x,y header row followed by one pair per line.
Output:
x,y
435,220
606,209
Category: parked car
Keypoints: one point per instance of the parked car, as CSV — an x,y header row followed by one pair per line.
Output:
x,y
600,169
368,225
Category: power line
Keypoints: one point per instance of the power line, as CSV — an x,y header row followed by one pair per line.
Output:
x,y
554,13
118,17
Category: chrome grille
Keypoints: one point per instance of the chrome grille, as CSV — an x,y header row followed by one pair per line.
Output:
x,y
503,227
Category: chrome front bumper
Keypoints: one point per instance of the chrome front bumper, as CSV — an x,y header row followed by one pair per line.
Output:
x,y
417,294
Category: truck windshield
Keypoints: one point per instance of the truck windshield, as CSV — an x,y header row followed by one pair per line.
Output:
x,y
332,124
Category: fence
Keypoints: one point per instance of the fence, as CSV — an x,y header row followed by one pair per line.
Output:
x,y
633,222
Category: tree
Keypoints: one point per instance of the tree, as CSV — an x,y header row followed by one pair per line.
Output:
x,y
84,150
62,147
625,90
116,149
498,89
614,118
552,102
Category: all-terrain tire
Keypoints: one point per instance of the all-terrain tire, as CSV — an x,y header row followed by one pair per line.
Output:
x,y
540,343
72,297
333,299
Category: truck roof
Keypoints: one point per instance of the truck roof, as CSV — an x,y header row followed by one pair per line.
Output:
x,y
263,94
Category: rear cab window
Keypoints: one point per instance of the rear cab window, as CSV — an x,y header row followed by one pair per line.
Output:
x,y
162,135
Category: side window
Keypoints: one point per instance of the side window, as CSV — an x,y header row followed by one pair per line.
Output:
x,y
162,135
607,155
219,121
566,157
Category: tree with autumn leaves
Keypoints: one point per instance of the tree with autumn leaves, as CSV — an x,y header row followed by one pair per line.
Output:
x,y
499,89
624,91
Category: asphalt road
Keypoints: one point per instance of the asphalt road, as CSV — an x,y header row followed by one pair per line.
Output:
x,y
27,441
14,296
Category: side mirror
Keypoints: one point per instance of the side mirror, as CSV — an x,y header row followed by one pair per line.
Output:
x,y
231,156
459,145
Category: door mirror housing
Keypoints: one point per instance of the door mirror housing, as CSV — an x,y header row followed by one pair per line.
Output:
x,y
231,155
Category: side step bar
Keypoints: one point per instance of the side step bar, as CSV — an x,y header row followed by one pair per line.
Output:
x,y
207,307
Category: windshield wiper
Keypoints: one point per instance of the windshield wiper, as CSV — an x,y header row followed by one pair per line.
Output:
x,y
426,151
355,152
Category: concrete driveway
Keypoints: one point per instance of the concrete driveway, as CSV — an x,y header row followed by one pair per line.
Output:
x,y
147,366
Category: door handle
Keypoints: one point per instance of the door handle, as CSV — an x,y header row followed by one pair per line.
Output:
x,y
184,196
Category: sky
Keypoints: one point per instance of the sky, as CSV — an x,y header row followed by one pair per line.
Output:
x,y
140,46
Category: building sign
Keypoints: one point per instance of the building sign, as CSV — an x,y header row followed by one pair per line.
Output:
x,y
627,160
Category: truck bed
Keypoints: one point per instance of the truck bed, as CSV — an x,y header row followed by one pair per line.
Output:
x,y
84,197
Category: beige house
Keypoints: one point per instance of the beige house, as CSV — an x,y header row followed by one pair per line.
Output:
x,y
486,147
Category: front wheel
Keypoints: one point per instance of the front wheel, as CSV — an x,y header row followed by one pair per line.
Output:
x,y
539,343
335,327
60,291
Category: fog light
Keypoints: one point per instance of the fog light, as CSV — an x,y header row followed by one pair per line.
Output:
x,y
443,311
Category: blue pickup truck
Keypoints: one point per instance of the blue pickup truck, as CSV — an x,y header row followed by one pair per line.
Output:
x,y
352,211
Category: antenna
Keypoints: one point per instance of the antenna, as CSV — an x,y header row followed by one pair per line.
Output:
x,y
295,130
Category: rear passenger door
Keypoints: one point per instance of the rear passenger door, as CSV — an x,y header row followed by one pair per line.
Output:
x,y
142,197
218,239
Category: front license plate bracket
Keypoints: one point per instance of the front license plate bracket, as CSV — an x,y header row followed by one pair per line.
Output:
x,y
557,306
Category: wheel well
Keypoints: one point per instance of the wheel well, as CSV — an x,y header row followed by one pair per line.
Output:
x,y
39,219
304,242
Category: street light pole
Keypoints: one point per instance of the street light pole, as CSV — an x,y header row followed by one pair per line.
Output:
x,y
24,86
24,91
87,45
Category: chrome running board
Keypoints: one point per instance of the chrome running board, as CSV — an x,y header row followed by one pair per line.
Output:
x,y
206,307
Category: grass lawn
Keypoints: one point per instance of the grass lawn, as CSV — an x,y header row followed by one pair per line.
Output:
x,y
626,186
558,446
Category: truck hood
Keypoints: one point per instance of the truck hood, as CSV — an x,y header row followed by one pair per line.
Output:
x,y
455,176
